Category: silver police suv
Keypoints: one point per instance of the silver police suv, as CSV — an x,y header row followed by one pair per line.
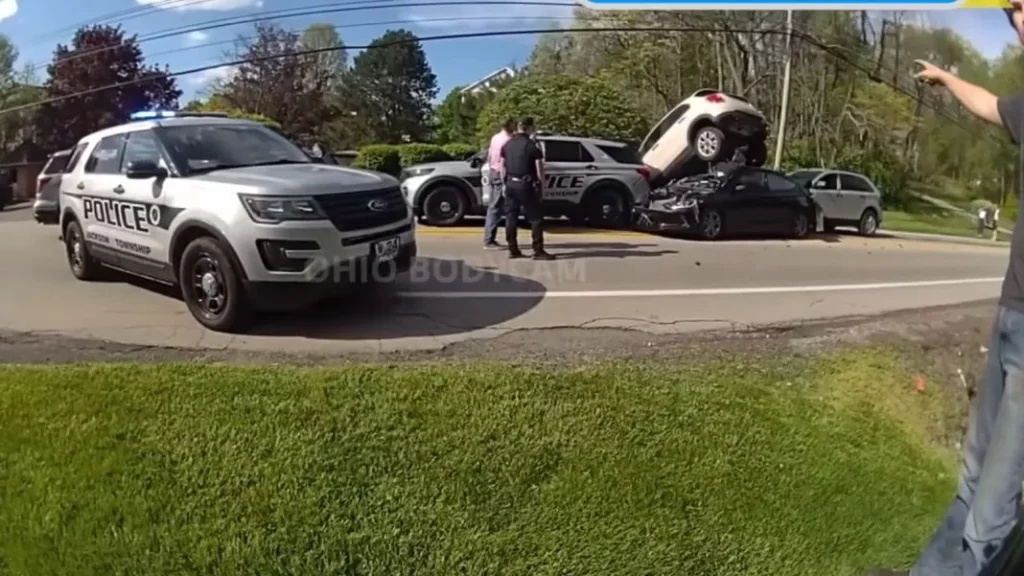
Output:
x,y
234,214
590,181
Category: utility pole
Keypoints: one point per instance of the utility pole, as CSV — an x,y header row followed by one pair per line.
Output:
x,y
779,142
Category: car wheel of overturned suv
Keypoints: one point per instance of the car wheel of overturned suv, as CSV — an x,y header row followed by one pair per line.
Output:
x,y
236,230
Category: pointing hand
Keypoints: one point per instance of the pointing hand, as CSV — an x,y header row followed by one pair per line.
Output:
x,y
930,74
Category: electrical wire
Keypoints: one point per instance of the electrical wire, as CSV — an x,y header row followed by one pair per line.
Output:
x,y
828,49
318,10
121,16
873,74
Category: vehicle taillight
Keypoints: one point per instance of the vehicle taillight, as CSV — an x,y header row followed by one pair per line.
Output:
x,y
42,182
645,172
715,98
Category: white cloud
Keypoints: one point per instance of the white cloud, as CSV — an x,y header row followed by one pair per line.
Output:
x,y
490,17
196,5
211,78
8,8
196,37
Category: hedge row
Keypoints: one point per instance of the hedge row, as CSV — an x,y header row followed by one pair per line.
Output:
x,y
391,159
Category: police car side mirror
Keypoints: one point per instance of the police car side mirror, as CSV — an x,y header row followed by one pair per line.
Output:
x,y
142,169
476,162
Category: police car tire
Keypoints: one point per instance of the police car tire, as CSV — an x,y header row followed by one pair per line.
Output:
x,y
89,268
595,208
235,316
458,212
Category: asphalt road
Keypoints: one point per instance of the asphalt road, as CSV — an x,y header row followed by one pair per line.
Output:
x,y
458,292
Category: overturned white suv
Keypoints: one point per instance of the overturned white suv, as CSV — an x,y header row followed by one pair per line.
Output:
x,y
234,214
707,128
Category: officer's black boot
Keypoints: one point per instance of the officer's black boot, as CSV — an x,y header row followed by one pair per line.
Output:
x,y
538,242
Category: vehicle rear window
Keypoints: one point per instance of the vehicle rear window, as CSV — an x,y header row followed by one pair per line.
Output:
x,y
56,163
622,154
854,183
565,151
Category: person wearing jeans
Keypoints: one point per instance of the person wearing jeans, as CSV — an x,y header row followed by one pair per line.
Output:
x,y
496,181
983,513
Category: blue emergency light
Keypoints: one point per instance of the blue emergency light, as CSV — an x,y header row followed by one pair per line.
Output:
x,y
153,114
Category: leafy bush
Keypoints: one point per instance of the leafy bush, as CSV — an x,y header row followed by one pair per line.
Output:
x,y
566,105
460,151
889,173
380,157
412,154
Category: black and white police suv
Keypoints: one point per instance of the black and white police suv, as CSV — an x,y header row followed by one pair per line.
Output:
x,y
233,213
591,181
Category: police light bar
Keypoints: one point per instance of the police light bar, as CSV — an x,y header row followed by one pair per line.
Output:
x,y
156,114
153,114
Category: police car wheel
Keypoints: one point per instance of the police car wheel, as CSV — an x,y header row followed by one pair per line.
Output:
x,y
211,287
444,206
709,144
606,209
82,264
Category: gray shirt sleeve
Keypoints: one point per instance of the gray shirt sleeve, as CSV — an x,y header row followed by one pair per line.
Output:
x,y
1011,112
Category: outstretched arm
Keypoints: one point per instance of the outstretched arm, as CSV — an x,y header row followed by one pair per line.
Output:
x,y
1007,112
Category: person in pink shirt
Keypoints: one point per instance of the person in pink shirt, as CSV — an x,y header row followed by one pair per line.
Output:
x,y
496,181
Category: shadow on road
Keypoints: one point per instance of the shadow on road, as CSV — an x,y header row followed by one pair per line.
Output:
x,y
580,250
437,297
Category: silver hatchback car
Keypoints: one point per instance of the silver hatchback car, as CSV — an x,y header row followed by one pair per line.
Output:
x,y
846,199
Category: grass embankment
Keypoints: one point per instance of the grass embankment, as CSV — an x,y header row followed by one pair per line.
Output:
x,y
819,466
925,218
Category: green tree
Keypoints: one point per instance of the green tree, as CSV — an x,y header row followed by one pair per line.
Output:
x,y
568,105
389,90
217,103
275,83
17,88
324,70
98,56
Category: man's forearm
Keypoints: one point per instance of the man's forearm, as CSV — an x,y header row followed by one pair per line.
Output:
x,y
976,99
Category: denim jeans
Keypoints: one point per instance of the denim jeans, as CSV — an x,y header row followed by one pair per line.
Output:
x,y
494,207
985,508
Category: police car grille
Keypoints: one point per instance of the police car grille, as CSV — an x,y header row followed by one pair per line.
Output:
x,y
351,211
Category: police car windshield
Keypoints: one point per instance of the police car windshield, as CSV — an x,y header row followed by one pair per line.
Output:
x,y
206,147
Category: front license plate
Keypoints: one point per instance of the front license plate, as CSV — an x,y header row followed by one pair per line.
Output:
x,y
387,250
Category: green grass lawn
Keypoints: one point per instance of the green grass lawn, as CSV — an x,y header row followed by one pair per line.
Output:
x,y
819,466
931,223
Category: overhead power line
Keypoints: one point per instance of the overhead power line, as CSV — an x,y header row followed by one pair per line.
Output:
x,y
121,16
318,10
828,49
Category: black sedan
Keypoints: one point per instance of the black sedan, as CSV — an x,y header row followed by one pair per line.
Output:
x,y
732,201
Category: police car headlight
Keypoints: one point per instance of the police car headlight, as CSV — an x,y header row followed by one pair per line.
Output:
x,y
414,172
274,209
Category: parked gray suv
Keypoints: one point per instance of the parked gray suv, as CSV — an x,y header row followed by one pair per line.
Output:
x,y
845,198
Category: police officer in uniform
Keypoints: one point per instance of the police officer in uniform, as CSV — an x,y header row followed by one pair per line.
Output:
x,y
524,179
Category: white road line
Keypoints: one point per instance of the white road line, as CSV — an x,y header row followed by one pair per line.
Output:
x,y
436,295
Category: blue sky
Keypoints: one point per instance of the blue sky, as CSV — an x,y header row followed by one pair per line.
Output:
x,y
35,27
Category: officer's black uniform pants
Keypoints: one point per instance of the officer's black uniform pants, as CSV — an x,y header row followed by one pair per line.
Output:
x,y
523,196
